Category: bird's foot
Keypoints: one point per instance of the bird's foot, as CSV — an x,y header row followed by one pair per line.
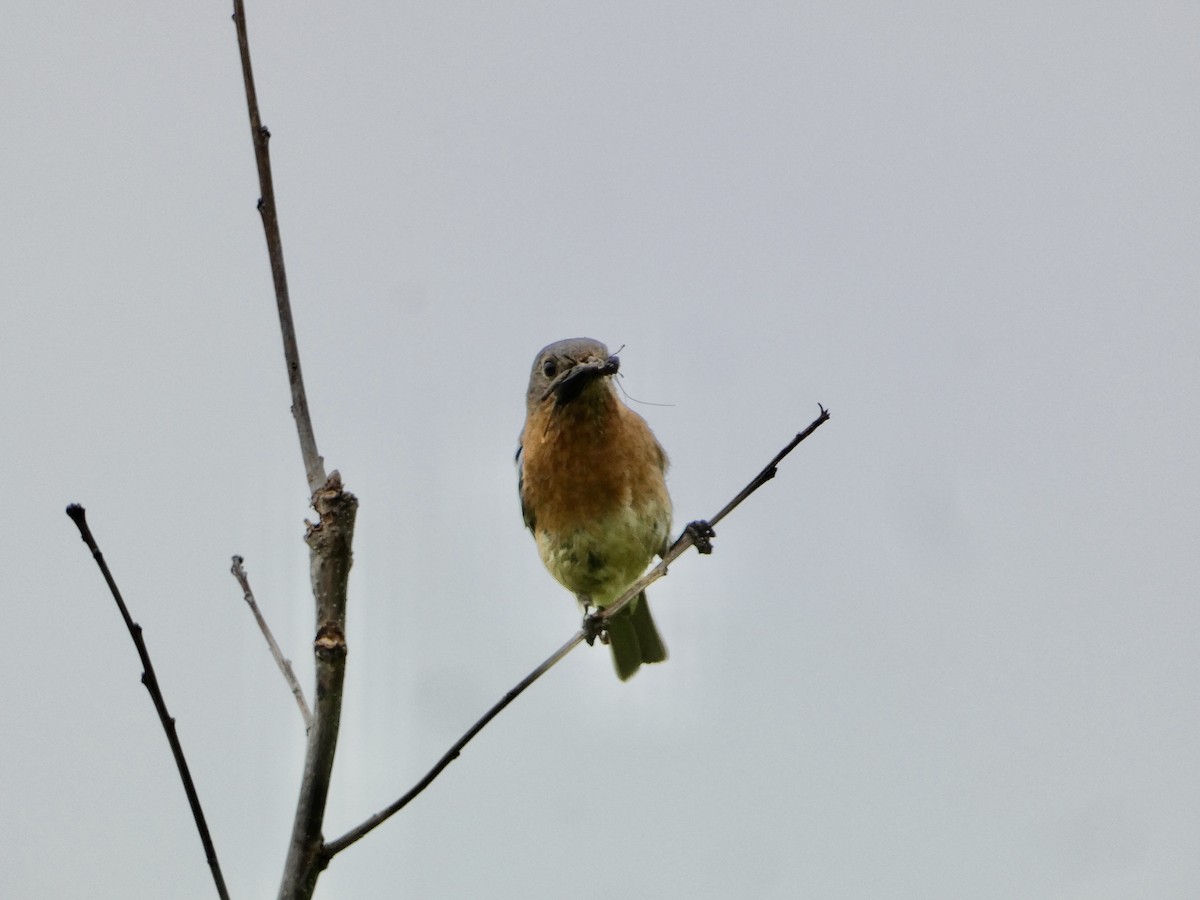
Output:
x,y
593,626
702,534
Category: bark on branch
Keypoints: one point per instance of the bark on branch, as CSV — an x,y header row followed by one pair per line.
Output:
x,y
329,541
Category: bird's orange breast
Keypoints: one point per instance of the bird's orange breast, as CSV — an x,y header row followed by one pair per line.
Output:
x,y
587,460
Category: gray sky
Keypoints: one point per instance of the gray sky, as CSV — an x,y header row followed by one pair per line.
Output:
x,y
951,651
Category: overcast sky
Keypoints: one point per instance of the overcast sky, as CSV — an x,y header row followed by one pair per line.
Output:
x,y
951,651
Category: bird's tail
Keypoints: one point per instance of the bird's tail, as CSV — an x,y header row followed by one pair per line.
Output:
x,y
634,639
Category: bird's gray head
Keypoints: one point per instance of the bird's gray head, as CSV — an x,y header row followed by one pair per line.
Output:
x,y
563,369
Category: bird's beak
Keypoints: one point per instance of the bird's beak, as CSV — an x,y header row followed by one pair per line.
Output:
x,y
570,384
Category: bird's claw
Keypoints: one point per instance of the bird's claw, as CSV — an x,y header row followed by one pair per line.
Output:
x,y
702,534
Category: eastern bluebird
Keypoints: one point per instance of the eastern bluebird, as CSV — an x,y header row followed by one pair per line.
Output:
x,y
593,490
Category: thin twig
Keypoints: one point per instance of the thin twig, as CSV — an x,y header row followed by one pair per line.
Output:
x,y
314,465
686,540
150,680
285,665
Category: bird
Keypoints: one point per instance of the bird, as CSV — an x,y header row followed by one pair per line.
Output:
x,y
592,482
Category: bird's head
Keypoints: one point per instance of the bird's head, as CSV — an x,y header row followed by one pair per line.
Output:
x,y
564,370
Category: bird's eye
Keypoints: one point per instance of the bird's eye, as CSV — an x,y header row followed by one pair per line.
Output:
x,y
549,368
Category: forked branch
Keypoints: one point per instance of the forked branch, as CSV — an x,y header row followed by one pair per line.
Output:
x,y
329,539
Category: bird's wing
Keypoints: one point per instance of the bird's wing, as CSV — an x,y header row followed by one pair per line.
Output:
x,y
526,512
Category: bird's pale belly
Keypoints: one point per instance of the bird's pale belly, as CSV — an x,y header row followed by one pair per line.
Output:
x,y
601,560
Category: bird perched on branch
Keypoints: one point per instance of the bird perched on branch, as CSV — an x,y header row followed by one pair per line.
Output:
x,y
593,490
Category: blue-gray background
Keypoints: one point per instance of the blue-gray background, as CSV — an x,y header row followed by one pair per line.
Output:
x,y
951,651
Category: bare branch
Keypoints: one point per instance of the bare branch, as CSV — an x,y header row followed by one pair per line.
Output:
x,y
285,666
329,541
314,465
694,533
150,680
